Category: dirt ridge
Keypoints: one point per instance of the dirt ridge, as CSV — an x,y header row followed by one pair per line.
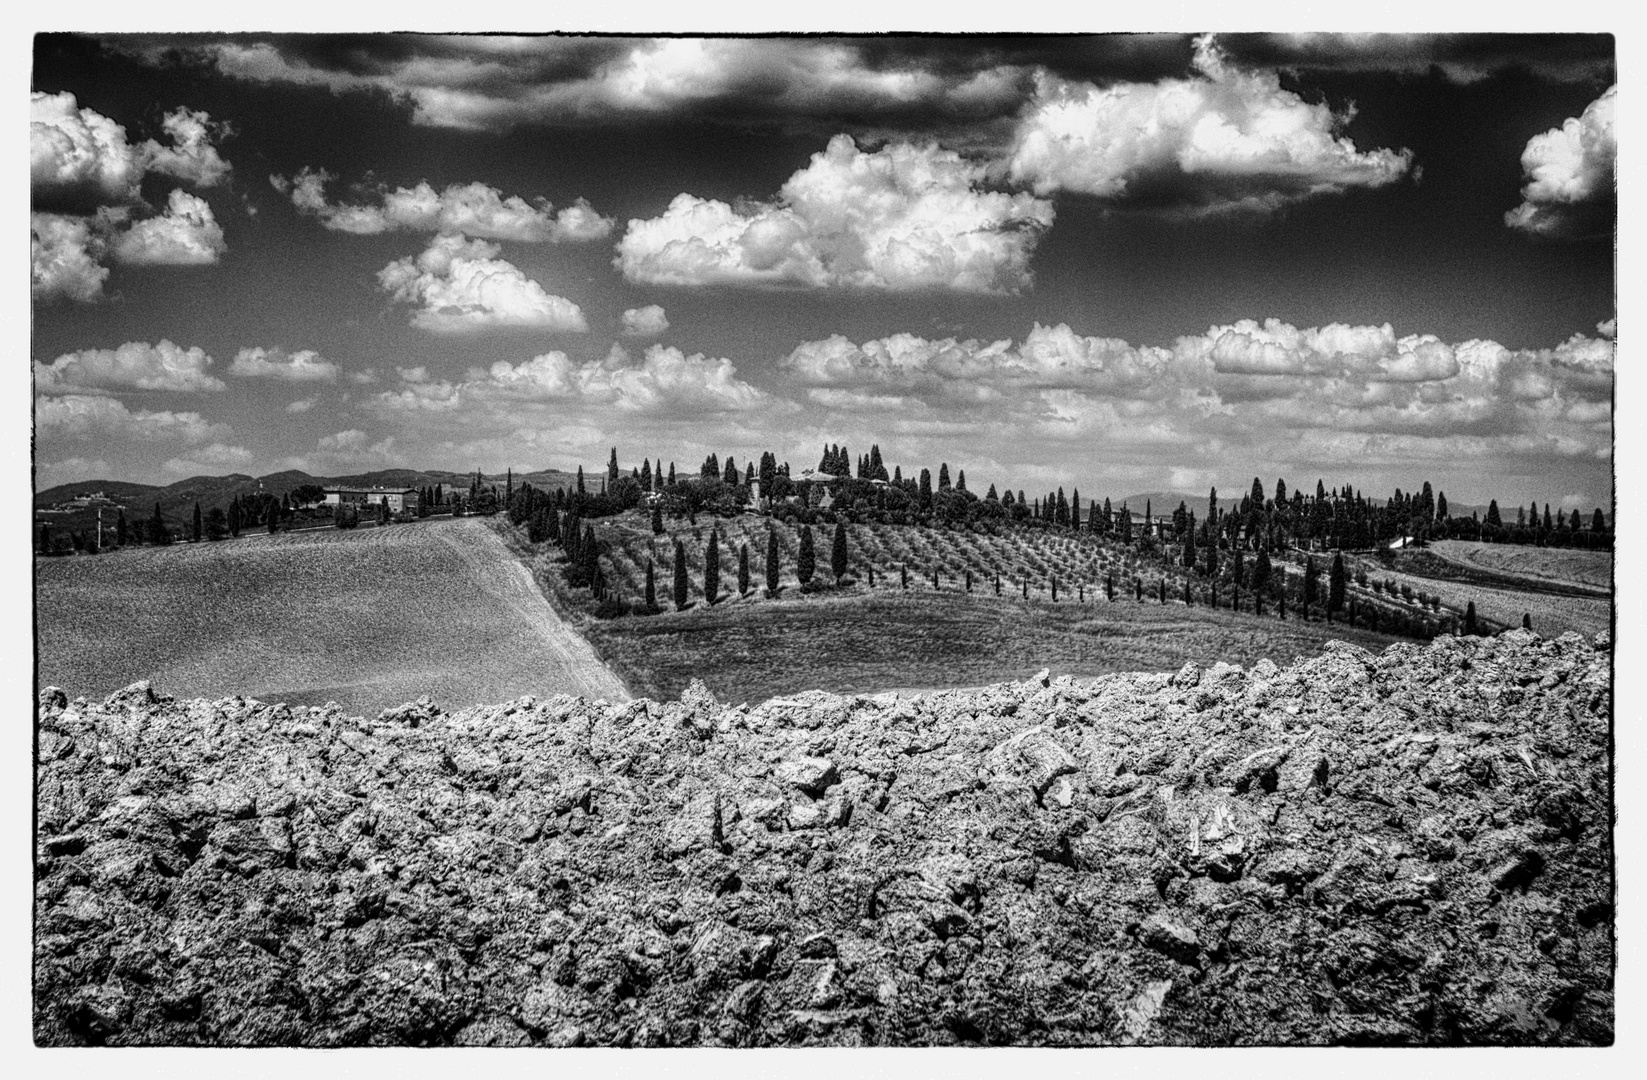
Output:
x,y
1411,847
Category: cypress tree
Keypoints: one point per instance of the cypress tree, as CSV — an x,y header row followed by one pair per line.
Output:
x,y
1283,605
1337,582
806,560
837,552
1138,590
1055,588
589,556
680,577
1189,544
771,562
274,516
1260,579
1109,588
1469,618
943,476
903,575
1312,584
1526,620
120,527
195,528
712,568
997,583
657,519
743,570
1163,590
572,539
1187,601
157,528
580,480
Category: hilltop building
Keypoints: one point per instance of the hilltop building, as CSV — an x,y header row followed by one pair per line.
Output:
x,y
401,500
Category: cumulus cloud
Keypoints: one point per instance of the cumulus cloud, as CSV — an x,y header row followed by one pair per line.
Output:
x,y
80,156
473,209
647,321
461,286
1265,393
353,439
211,459
136,365
1049,357
1570,172
192,157
1230,139
86,416
904,218
304,365
301,405
65,254
187,234
1277,348
80,152
1608,328
664,379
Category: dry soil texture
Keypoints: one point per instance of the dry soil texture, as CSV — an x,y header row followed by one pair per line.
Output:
x,y
1410,847
368,618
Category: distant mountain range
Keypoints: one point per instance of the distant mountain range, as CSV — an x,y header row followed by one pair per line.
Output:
x,y
177,500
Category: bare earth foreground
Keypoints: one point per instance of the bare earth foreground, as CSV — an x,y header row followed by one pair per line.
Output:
x,y
1410,847
368,618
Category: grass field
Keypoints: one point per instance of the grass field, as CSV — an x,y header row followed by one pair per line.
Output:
x,y
1586,570
368,618
858,640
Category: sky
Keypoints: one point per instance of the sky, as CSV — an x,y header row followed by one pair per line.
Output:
x,y
1118,262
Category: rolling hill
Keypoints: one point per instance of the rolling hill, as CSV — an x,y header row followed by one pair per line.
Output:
x,y
177,500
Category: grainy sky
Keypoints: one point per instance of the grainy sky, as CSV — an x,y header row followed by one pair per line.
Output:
x,y
1123,262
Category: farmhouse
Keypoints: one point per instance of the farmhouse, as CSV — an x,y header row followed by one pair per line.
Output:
x,y
401,500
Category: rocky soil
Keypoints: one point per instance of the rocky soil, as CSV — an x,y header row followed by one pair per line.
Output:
x,y
1405,848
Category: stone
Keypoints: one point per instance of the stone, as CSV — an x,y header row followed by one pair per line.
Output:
x,y
1172,938
812,775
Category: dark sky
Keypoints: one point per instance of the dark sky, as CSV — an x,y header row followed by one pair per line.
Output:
x,y
1044,260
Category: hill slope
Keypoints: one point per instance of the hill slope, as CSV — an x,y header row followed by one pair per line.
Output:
x,y
368,618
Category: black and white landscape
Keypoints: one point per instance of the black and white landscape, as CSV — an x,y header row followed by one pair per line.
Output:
x,y
1076,540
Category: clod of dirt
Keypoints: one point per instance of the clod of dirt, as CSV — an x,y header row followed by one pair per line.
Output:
x,y
1408,848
